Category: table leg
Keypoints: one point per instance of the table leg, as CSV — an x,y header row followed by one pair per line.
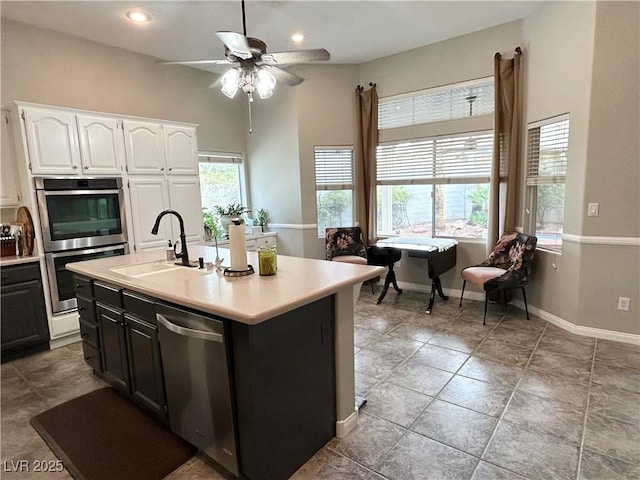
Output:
x,y
390,279
435,286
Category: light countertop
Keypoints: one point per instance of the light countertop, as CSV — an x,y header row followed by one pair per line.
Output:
x,y
15,260
250,299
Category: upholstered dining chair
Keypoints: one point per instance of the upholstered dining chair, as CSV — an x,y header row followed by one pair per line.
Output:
x,y
508,267
346,244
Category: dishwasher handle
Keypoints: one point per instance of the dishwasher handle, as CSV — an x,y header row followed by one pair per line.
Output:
x,y
189,332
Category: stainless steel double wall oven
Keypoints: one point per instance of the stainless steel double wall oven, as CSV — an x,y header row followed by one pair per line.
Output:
x,y
81,219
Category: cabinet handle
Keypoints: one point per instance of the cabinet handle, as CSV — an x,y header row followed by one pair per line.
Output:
x,y
84,335
81,309
86,168
162,169
79,285
88,357
75,167
171,169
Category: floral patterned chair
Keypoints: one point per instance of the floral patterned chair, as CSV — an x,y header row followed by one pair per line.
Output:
x,y
345,244
508,267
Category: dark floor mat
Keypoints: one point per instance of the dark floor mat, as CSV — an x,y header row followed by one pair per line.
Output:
x,y
101,435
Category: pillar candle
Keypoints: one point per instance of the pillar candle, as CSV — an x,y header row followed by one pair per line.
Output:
x,y
238,247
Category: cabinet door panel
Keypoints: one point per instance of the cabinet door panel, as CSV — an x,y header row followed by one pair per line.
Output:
x,y
114,347
144,147
147,383
101,144
24,320
52,138
148,198
181,146
184,197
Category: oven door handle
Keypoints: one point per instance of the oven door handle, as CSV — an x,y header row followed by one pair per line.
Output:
x,y
86,251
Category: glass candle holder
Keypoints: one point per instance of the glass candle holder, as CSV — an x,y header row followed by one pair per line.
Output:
x,y
267,260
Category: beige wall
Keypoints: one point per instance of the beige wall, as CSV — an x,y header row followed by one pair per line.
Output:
x,y
45,67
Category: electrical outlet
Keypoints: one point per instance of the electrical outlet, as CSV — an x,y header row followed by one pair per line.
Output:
x,y
623,303
593,210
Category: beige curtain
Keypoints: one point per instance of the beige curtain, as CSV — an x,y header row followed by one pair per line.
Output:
x,y
507,139
366,143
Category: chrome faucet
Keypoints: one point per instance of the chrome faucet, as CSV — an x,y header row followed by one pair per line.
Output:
x,y
184,254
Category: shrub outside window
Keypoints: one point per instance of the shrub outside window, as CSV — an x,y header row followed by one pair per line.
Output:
x,y
334,187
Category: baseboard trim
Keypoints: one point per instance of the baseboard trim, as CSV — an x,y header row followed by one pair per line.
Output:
x,y
344,427
63,341
549,317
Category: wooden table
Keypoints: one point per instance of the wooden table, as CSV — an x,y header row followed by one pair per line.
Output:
x,y
439,252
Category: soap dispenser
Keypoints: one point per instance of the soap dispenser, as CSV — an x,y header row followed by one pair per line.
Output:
x,y
171,254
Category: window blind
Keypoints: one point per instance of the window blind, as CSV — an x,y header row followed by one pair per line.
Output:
x,y
219,157
437,104
455,159
547,153
334,168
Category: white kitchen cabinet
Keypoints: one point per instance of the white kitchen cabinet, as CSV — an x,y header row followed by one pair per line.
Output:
x,y
101,145
184,197
144,147
181,148
150,195
52,139
156,149
65,143
9,181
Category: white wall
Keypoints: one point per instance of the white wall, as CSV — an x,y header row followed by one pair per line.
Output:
x,y
45,67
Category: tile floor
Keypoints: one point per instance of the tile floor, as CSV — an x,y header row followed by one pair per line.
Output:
x,y
447,398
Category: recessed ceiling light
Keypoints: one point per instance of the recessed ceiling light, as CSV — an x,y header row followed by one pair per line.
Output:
x,y
138,16
297,37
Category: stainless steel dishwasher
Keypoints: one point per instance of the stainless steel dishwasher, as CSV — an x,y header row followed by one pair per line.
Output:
x,y
196,374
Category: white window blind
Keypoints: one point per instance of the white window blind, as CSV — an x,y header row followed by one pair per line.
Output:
x,y
451,159
460,100
334,168
547,153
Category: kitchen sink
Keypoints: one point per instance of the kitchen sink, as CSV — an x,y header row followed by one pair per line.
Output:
x,y
145,269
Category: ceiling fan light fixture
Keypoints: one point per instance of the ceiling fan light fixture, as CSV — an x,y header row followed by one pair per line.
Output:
x,y
230,82
266,83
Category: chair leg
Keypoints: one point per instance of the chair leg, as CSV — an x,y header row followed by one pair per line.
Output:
x,y
486,300
526,308
464,283
371,284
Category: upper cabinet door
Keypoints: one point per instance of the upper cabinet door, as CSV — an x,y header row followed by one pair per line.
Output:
x,y
52,138
101,145
144,147
181,145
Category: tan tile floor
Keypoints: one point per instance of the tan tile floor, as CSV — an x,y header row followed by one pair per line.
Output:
x,y
447,398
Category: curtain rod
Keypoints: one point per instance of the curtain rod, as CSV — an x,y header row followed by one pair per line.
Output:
x,y
360,88
499,55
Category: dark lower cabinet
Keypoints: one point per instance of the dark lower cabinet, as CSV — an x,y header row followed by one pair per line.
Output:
x,y
115,365
146,380
24,317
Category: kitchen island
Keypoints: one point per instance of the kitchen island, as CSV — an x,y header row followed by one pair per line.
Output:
x,y
289,335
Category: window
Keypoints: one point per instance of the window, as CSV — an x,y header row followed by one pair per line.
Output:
x,y
546,172
222,179
460,100
334,187
434,186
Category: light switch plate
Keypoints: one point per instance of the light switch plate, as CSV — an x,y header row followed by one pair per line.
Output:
x,y
593,210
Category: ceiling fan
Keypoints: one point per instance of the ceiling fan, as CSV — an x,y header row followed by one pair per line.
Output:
x,y
253,68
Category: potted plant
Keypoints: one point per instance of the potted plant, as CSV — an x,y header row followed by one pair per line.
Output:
x,y
211,227
261,219
232,211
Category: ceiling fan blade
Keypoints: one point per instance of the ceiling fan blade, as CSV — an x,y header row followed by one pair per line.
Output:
x,y
199,62
236,43
299,56
285,77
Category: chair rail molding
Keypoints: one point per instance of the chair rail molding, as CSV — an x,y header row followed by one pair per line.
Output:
x,y
596,240
294,226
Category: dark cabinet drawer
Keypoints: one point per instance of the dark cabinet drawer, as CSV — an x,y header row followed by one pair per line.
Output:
x,y
107,293
92,356
89,333
139,305
86,309
20,273
83,286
